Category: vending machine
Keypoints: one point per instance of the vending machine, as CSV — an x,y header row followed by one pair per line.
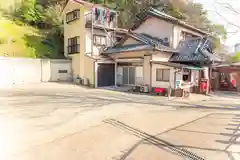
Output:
x,y
203,86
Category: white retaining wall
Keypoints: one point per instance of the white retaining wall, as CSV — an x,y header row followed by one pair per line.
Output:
x,y
27,70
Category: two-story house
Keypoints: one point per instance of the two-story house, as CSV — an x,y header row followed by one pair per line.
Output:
x,y
88,29
160,50
150,54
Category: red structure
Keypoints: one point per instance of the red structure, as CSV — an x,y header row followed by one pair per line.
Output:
x,y
160,91
203,86
228,77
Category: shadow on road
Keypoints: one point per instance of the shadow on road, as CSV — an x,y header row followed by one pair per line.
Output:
x,y
197,106
43,105
47,104
182,149
169,147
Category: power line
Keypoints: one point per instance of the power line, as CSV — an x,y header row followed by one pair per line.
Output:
x,y
230,8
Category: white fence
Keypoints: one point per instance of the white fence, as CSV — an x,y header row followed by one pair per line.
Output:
x,y
27,70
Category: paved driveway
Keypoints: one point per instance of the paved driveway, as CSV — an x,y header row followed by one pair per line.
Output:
x,y
61,121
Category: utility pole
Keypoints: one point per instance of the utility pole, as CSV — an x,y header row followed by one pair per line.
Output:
x,y
169,91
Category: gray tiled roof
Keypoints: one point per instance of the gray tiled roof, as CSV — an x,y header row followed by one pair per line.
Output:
x,y
211,56
128,48
155,42
189,46
194,49
148,43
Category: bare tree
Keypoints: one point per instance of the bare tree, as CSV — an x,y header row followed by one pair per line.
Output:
x,y
228,7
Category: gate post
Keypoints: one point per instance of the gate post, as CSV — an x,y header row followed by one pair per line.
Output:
x,y
115,72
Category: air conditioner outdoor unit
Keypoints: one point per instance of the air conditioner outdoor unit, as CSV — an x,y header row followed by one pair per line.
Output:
x,y
144,89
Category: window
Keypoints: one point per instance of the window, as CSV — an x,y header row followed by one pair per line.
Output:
x,y
72,16
223,77
99,40
185,77
74,45
186,35
163,75
187,74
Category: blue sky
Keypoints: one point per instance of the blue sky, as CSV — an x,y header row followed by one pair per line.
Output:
x,y
225,18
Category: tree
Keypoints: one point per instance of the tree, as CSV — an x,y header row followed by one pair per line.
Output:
x,y
227,6
174,8
196,15
47,12
46,3
236,57
192,13
218,31
52,17
30,12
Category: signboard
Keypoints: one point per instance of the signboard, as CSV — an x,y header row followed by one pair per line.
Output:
x,y
178,84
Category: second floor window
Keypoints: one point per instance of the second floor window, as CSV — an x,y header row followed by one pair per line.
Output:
x,y
99,40
74,45
185,35
72,16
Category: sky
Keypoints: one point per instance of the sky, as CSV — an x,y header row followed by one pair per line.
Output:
x,y
230,19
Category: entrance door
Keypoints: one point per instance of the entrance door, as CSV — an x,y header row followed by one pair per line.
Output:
x,y
125,75
132,75
106,75
129,76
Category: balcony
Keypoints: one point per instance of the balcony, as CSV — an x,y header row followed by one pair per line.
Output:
x,y
100,22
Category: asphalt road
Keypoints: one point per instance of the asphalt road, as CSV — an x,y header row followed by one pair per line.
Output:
x,y
67,122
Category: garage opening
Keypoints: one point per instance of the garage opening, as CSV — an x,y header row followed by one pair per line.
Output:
x,y
106,75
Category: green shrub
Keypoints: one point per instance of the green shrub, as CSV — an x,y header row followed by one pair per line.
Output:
x,y
2,41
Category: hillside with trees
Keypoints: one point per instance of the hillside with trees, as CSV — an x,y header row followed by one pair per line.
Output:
x,y
39,25
31,28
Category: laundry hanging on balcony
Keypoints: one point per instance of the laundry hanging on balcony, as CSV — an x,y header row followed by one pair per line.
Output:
x,y
107,15
112,16
96,13
104,15
101,15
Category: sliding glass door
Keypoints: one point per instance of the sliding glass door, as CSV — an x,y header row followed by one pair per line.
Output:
x,y
129,75
132,75
125,75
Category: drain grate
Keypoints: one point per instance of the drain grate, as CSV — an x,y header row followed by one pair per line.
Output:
x,y
156,141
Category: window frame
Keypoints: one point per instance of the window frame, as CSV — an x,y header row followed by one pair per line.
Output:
x,y
162,79
70,16
95,36
74,47
185,35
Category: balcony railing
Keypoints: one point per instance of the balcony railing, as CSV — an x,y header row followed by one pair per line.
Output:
x,y
100,21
